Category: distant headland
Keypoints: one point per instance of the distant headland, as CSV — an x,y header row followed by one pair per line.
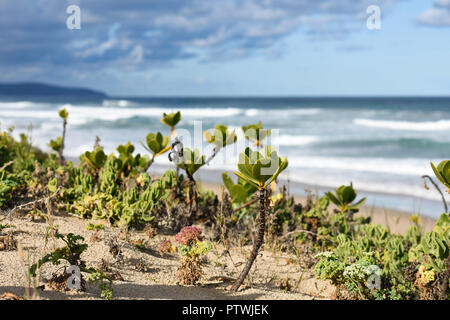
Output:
x,y
35,90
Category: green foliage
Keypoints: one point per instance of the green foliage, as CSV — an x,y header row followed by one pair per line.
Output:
x,y
255,133
157,144
7,187
260,168
131,207
239,191
432,251
442,172
5,226
63,114
130,163
392,254
221,136
71,253
96,158
171,119
95,227
56,145
442,225
19,156
191,161
197,249
343,199
117,189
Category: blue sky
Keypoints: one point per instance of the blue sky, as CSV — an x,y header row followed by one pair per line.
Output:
x,y
230,47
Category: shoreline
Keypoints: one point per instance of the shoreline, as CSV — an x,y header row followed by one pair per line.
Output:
x,y
393,202
398,221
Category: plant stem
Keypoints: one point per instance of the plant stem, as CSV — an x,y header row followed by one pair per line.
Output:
x,y
245,205
257,244
60,152
213,155
438,189
150,163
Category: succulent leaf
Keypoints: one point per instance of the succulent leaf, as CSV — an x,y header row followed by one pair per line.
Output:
x,y
260,168
171,119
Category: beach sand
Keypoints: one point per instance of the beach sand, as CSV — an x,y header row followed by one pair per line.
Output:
x,y
273,272
397,221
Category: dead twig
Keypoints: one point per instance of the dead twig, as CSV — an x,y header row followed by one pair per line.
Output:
x,y
35,202
6,165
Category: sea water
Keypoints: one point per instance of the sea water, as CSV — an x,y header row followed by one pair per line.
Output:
x,y
383,145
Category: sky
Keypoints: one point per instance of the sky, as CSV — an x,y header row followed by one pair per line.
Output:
x,y
230,47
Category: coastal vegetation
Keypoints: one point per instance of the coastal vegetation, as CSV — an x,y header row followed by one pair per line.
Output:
x,y
363,260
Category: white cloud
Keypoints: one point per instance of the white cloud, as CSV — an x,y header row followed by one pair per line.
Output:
x,y
438,16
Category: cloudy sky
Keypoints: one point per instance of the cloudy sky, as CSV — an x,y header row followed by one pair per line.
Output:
x,y
230,47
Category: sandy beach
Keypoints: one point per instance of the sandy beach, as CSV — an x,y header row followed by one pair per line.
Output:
x,y
145,274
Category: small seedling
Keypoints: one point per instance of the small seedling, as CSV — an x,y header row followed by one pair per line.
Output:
x,y
343,199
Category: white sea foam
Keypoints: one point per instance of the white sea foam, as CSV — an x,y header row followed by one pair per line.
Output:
x,y
251,112
29,115
409,167
82,114
117,103
414,189
287,140
19,105
306,111
439,125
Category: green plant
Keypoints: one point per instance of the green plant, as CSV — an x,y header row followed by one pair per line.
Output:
x,y
191,249
191,161
258,169
239,191
96,227
442,172
71,253
343,199
130,164
96,158
58,144
5,226
255,133
171,120
220,138
157,144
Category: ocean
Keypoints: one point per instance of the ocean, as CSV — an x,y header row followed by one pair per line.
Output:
x,y
382,145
